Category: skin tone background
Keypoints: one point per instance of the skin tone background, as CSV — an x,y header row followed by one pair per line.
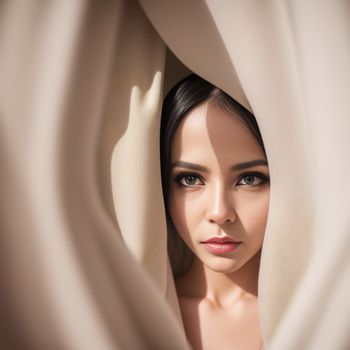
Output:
x,y
211,196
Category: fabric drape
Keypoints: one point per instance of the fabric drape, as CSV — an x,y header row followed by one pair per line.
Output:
x,y
83,237
71,82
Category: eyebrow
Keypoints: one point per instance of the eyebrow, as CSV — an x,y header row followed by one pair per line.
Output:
x,y
239,166
249,164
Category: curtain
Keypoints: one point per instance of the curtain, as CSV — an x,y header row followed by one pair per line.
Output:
x,y
83,246
74,76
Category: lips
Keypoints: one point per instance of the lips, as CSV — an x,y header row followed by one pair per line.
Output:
x,y
221,245
221,240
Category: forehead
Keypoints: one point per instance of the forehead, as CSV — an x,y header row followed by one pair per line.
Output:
x,y
209,132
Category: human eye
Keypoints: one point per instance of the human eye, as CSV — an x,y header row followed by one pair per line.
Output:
x,y
252,179
188,179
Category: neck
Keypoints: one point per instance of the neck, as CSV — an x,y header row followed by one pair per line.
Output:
x,y
221,288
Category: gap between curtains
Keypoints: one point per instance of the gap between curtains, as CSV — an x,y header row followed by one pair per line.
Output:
x,y
290,60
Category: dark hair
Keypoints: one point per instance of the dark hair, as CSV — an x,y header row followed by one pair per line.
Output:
x,y
181,99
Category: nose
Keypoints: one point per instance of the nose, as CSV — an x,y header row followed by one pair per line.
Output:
x,y
221,209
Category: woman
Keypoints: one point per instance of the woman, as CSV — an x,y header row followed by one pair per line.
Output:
x,y
216,189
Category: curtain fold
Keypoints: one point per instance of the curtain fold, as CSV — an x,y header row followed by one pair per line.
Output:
x,y
129,137
68,280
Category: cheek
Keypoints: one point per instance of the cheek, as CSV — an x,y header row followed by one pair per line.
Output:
x,y
253,214
183,212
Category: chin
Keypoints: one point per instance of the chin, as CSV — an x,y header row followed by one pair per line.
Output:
x,y
228,266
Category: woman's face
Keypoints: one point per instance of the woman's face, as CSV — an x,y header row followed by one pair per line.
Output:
x,y
219,190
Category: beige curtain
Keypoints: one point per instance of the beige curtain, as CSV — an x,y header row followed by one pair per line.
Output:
x,y
80,93
74,76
